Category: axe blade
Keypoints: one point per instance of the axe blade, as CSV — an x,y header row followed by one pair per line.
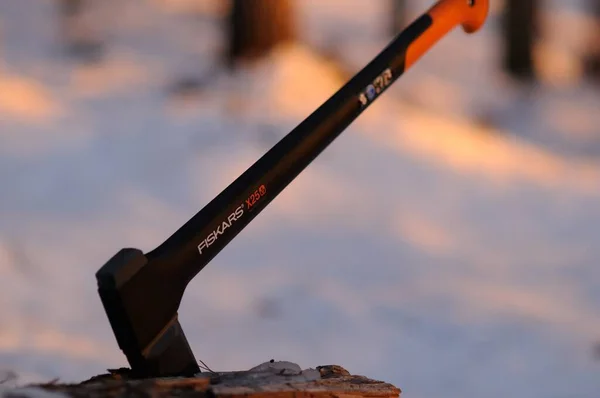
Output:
x,y
143,316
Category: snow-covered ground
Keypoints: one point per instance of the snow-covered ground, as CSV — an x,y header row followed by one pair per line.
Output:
x,y
449,258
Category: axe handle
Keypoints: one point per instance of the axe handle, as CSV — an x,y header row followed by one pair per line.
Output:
x,y
191,247
447,14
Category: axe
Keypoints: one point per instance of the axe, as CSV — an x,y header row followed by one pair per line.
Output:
x,y
141,292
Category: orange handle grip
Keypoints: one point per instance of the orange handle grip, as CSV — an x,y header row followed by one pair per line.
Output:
x,y
446,15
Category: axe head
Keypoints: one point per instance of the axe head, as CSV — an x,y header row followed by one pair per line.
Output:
x,y
141,303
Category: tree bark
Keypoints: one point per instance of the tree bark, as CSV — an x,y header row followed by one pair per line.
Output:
x,y
258,26
520,21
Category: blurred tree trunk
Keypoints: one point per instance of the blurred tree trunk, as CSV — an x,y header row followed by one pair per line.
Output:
x,y
592,61
71,7
398,16
258,26
520,20
80,39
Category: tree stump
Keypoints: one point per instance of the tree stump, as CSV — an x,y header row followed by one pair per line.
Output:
x,y
330,381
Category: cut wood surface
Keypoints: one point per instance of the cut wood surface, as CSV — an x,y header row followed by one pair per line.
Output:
x,y
330,381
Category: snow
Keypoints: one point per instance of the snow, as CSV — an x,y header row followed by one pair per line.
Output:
x,y
446,257
30,392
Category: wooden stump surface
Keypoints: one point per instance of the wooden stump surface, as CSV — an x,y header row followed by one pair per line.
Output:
x,y
330,381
